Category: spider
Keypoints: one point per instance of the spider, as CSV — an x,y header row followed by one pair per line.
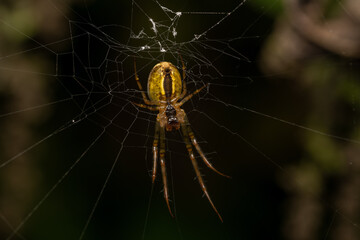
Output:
x,y
166,93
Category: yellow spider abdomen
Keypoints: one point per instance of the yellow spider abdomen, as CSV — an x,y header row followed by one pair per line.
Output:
x,y
164,83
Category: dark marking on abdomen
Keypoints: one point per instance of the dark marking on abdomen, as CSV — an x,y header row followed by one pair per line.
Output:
x,y
168,86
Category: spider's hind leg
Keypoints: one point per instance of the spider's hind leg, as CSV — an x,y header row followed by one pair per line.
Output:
x,y
146,100
184,90
188,97
151,108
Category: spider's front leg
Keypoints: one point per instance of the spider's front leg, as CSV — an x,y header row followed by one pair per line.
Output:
x,y
155,151
198,148
185,128
163,167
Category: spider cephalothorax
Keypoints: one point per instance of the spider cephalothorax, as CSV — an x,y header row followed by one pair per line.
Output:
x,y
166,94
172,120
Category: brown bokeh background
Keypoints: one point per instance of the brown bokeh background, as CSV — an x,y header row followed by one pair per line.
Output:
x,y
284,125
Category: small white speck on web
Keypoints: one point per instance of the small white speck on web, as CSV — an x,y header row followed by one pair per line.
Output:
x,y
141,34
145,47
174,32
196,36
153,25
161,48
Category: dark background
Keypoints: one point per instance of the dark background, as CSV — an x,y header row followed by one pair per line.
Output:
x,y
288,181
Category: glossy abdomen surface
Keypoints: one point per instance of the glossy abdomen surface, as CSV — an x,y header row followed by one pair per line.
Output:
x,y
164,83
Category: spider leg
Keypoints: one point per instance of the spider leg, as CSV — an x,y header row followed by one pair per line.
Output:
x,y
187,98
163,168
155,150
184,90
196,168
146,106
146,100
197,146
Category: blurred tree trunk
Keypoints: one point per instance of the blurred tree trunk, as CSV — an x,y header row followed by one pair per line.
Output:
x,y
21,22
315,44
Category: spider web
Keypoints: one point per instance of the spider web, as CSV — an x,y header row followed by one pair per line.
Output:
x,y
76,150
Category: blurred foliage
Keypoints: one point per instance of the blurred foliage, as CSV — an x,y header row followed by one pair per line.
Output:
x,y
270,8
286,181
